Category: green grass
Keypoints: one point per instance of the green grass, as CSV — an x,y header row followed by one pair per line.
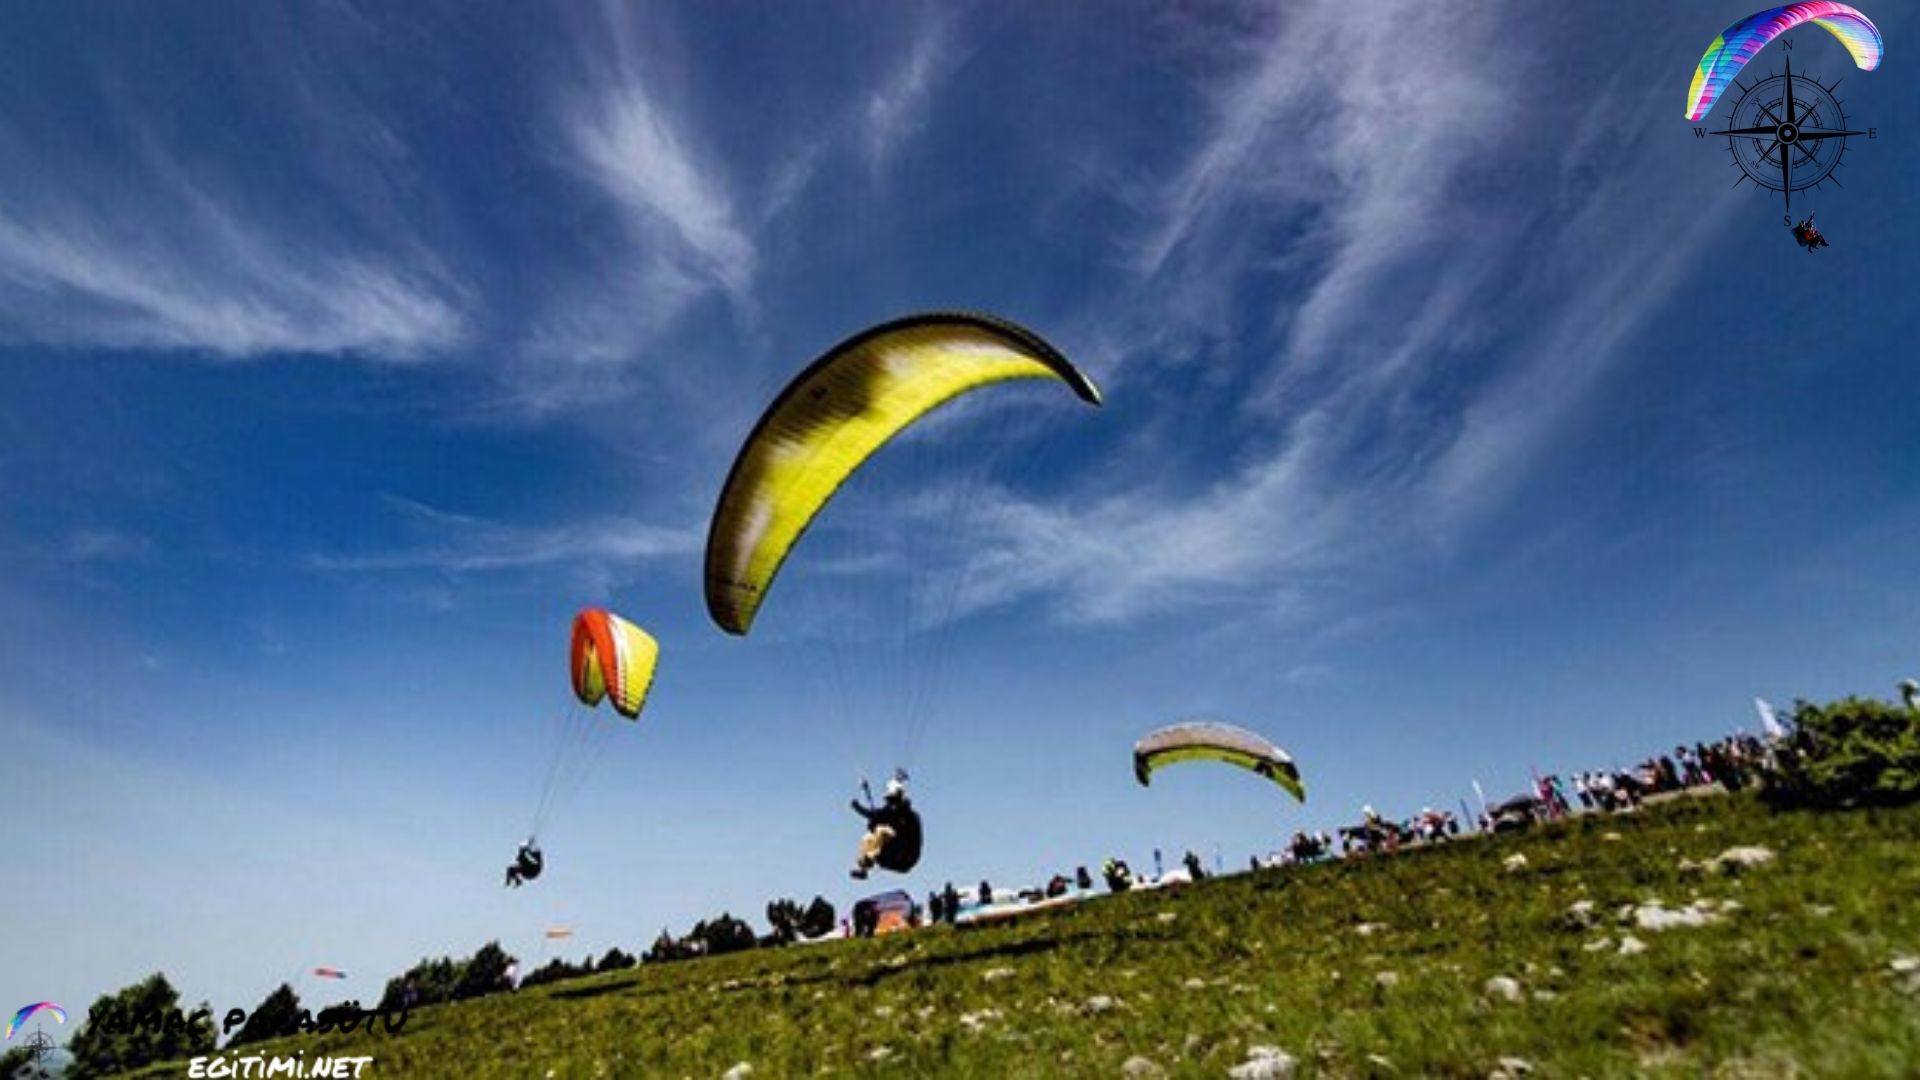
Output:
x,y
1794,981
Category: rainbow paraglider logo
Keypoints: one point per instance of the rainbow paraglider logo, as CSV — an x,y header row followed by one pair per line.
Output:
x,y
22,1016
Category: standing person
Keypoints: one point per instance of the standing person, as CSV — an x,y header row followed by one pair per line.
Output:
x,y
1580,790
950,897
1194,869
986,893
1158,871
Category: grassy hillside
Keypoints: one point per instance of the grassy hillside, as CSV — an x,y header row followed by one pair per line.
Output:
x,y
1440,962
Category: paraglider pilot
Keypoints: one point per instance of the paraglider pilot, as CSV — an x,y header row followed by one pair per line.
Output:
x,y
893,831
1807,236
527,863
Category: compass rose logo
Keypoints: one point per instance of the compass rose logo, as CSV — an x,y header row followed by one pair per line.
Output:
x,y
1787,133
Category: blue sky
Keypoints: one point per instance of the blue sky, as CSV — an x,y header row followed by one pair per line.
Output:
x,y
1460,419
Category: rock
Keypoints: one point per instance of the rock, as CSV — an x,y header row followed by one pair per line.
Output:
x,y
1652,916
1581,914
1098,1004
1264,1063
1166,916
1503,987
1735,859
880,1053
883,1010
1379,1063
996,974
738,1072
1906,973
1195,984
1611,836
1140,1068
1386,980
974,1021
1507,1068
1632,946
1368,929
1597,944
1515,861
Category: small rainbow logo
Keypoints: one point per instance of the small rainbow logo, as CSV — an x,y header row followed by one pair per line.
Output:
x,y
20,1017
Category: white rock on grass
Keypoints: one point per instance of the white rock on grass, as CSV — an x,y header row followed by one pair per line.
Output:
x,y
1194,984
1100,1003
1581,913
1264,1063
996,974
1632,946
1509,1068
1368,929
1503,987
1906,972
974,1021
1597,944
1515,861
1386,980
1653,916
738,1072
1166,916
1141,1068
1735,859
880,1053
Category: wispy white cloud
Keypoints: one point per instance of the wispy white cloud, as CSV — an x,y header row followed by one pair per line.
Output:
x,y
152,241
640,158
878,125
1246,539
102,546
1425,340
898,108
176,268
461,544
662,230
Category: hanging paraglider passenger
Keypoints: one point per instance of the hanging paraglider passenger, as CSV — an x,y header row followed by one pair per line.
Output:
x,y
892,841
1807,236
527,864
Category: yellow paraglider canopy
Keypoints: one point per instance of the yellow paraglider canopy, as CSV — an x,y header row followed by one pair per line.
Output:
x,y
833,417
